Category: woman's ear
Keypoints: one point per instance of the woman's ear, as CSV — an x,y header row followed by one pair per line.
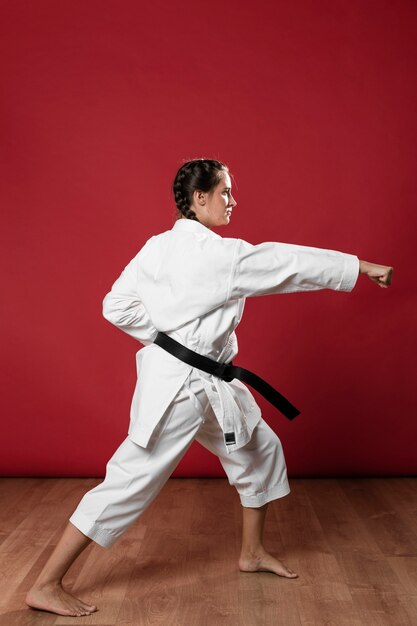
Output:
x,y
199,197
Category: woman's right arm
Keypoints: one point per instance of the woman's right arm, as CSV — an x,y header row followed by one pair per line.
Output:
x,y
123,308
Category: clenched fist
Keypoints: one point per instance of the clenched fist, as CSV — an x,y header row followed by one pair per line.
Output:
x,y
379,274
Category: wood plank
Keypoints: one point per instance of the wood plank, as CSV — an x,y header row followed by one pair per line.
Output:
x,y
380,606
391,533
341,524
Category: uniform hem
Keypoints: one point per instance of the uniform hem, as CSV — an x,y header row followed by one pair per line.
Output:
x,y
350,272
260,499
94,531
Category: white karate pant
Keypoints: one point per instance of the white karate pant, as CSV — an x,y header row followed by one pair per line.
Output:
x,y
135,475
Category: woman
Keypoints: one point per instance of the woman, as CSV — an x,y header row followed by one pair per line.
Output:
x,y
191,284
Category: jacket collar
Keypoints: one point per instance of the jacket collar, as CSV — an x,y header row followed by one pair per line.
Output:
x,y
194,227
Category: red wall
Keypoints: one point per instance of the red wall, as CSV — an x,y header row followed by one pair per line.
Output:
x,y
313,106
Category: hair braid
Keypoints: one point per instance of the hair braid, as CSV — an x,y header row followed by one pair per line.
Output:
x,y
180,195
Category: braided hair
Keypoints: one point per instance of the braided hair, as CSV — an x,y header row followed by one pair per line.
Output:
x,y
198,174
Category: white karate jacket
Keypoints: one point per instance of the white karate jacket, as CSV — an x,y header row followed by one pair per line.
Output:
x,y
191,283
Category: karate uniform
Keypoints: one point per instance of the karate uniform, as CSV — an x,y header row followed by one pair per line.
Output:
x,y
191,283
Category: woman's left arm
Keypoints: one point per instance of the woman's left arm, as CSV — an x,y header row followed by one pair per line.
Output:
x,y
379,274
276,267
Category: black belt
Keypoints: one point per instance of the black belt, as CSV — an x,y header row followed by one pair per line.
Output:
x,y
227,371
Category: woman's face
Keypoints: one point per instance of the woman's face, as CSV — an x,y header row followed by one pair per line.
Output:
x,y
215,208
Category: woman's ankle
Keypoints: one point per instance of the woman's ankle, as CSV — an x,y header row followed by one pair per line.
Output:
x,y
43,583
248,552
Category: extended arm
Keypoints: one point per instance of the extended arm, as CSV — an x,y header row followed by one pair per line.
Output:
x,y
273,268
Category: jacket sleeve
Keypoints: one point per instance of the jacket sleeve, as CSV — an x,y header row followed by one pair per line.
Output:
x,y
123,308
273,268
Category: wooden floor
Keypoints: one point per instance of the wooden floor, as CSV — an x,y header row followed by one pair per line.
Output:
x,y
353,543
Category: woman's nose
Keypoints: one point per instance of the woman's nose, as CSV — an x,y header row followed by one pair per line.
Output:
x,y
233,201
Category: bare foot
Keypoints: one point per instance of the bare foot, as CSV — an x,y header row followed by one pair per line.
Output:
x,y
55,599
264,562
